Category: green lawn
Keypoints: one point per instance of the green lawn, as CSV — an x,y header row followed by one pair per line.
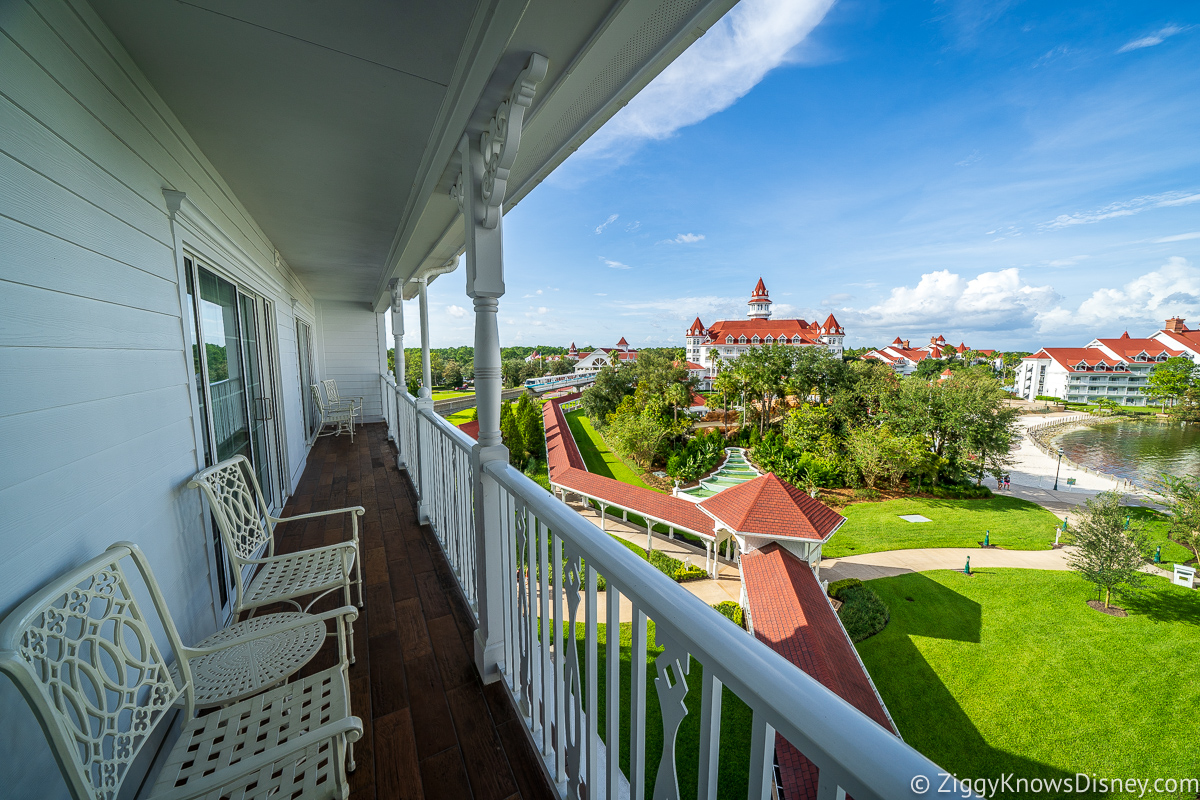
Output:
x,y
1009,671
1156,524
734,767
872,527
448,394
596,455
459,417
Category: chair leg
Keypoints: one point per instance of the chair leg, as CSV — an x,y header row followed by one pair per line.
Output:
x,y
349,625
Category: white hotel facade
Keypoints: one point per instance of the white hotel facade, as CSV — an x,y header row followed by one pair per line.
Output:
x,y
1116,369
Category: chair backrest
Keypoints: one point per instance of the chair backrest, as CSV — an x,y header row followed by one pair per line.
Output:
x,y
82,654
238,505
320,401
331,390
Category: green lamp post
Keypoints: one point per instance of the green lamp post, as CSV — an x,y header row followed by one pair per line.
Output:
x,y
1158,554
967,568
987,539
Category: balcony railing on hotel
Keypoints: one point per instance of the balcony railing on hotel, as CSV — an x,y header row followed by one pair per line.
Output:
x,y
549,560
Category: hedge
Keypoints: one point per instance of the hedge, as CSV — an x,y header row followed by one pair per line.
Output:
x,y
862,613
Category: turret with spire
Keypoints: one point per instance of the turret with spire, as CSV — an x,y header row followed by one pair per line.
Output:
x,y
760,302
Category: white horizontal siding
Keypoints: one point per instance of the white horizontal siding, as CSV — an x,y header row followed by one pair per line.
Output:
x,y
97,435
349,351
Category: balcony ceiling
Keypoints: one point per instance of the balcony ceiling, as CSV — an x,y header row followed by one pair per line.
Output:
x,y
336,123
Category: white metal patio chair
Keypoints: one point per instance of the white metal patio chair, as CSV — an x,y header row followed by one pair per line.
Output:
x,y
340,417
336,400
84,657
246,527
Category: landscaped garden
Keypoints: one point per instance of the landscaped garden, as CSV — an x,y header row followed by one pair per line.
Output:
x,y
596,454
1013,523
1010,671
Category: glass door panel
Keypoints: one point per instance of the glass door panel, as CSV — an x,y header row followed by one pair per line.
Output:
x,y
257,397
226,374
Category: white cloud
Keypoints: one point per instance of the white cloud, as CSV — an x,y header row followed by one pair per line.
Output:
x,y
999,300
685,238
601,294
542,309
1158,37
718,69
456,311
1179,237
1125,208
969,160
633,226
611,219
1173,288
837,299
1069,261
613,264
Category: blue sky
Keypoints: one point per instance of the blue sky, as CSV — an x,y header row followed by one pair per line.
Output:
x,y
1012,174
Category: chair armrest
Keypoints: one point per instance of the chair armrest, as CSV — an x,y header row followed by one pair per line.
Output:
x,y
351,727
356,509
349,612
287,556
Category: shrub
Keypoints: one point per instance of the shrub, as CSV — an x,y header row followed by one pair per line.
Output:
x,y
866,493
862,613
673,568
837,587
731,611
968,492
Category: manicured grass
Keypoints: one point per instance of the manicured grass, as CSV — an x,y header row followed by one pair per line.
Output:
x,y
449,394
872,527
734,764
1156,525
459,417
596,455
1009,671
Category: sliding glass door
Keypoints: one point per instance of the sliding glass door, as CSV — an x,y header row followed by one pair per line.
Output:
x,y
234,362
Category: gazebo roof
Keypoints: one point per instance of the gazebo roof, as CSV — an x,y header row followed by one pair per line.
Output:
x,y
770,507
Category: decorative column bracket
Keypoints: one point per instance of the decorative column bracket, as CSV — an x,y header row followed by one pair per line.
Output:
x,y
480,189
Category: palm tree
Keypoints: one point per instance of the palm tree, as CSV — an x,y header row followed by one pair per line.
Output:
x,y
727,383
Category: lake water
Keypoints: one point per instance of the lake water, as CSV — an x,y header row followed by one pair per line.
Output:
x,y
1136,451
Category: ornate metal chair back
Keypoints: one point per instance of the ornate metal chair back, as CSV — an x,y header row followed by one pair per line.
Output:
x,y
83,655
331,391
239,507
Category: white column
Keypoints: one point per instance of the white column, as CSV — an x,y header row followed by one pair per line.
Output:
x,y
426,377
602,516
398,334
649,535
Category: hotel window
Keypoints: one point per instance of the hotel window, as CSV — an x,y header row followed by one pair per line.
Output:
x,y
756,340
768,340
728,340
742,339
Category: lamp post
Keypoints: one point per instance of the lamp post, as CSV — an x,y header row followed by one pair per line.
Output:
x,y
1056,469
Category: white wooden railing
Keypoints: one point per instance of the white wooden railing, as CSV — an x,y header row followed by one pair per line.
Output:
x,y
549,559
437,456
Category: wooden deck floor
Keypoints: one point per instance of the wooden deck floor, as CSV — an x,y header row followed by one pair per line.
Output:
x,y
431,728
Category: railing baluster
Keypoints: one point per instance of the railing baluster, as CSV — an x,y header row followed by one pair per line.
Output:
x,y
612,680
591,733
544,624
558,598
710,736
637,707
533,664
762,759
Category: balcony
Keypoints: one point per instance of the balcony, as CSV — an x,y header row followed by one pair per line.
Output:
x,y
228,201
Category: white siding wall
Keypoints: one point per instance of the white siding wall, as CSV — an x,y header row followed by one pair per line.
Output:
x,y
96,409
350,350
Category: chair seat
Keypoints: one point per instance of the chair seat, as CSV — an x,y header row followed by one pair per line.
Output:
x,y
298,574
241,671
233,734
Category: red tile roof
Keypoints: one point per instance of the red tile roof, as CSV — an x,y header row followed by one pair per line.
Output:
x,y
1185,338
790,615
1129,347
567,469
470,428
762,327
759,295
767,506
622,342
831,325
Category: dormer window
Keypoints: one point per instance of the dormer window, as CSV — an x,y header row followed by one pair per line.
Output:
x,y
1161,357
768,340
742,339
796,339
756,340
728,340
